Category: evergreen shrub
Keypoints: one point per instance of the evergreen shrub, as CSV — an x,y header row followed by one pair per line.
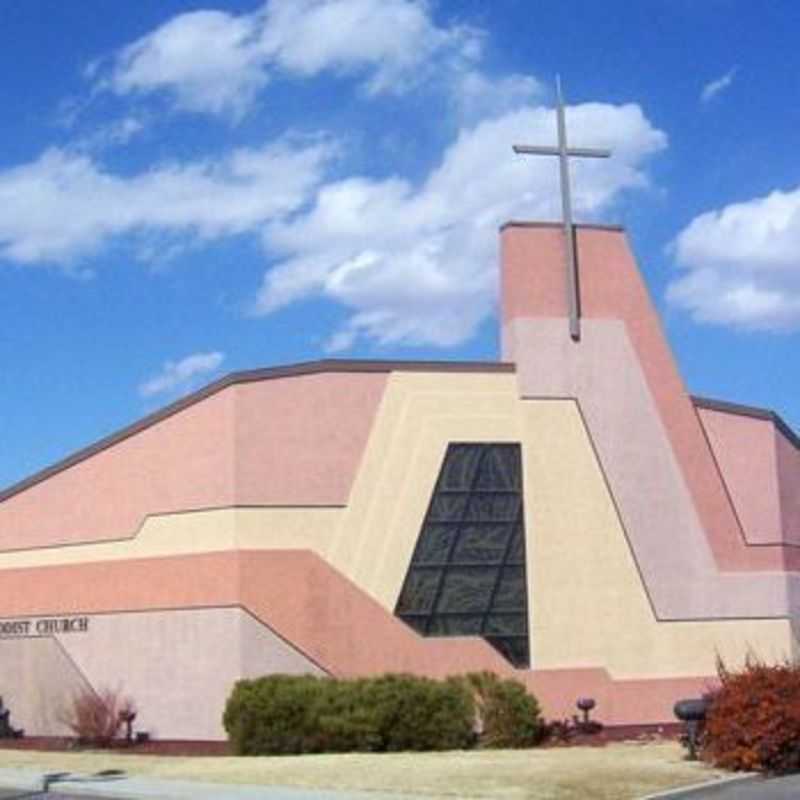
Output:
x,y
508,715
281,714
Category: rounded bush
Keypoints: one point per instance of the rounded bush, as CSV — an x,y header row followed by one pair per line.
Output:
x,y
274,714
508,715
412,713
753,721
281,714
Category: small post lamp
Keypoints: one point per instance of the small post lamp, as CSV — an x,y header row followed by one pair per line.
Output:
x,y
692,712
127,716
585,705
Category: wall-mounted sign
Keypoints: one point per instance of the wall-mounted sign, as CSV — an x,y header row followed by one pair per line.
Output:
x,y
42,626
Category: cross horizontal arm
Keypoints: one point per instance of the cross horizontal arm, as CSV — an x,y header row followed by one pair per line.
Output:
x,y
583,152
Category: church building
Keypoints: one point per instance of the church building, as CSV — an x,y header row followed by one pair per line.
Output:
x,y
568,516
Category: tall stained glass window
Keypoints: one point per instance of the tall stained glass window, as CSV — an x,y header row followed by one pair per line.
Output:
x,y
467,574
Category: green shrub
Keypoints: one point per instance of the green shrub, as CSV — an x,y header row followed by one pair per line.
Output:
x,y
303,714
273,715
753,721
344,722
508,715
412,713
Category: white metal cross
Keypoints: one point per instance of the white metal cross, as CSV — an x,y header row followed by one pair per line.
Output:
x,y
564,153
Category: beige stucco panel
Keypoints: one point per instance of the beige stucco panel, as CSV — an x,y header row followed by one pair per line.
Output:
x,y
589,605
192,532
420,415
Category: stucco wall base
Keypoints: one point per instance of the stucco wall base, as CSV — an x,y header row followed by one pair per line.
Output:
x,y
178,667
619,702
37,682
295,613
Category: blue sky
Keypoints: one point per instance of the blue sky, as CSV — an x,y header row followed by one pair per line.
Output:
x,y
190,188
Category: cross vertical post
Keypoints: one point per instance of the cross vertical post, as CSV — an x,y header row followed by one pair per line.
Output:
x,y
563,152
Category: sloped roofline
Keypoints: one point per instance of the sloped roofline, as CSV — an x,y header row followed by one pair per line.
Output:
x,y
749,411
250,376
336,365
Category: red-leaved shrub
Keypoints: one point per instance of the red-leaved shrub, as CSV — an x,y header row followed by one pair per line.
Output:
x,y
96,717
753,722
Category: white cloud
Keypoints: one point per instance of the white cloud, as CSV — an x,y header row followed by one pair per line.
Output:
x,y
394,38
478,96
180,376
209,60
112,134
418,265
217,62
743,264
65,205
715,87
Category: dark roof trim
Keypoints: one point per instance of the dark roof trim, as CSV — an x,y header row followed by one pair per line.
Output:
x,y
591,226
749,411
251,376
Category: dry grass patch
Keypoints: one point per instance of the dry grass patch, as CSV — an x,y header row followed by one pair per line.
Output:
x,y
614,772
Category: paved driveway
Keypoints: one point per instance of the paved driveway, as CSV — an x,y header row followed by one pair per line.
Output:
x,y
114,785
786,788
25,794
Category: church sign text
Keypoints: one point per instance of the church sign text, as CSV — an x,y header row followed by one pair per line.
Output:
x,y
42,626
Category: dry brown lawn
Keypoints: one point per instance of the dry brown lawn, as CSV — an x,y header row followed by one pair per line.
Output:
x,y
614,772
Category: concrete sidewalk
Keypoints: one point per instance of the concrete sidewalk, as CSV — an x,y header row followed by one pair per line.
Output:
x,y
28,782
752,787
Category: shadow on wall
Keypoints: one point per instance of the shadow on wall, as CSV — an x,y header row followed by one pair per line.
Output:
x,y
38,678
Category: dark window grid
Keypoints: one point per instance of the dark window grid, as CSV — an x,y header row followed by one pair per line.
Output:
x,y
519,524
432,516
480,565
452,523
433,511
426,617
500,629
510,655
513,522
486,447
472,523
452,546
420,614
511,562
469,492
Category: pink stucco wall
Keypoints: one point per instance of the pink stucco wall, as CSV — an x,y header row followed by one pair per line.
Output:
x,y
324,620
184,461
788,455
744,448
533,286
299,440
283,441
666,535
